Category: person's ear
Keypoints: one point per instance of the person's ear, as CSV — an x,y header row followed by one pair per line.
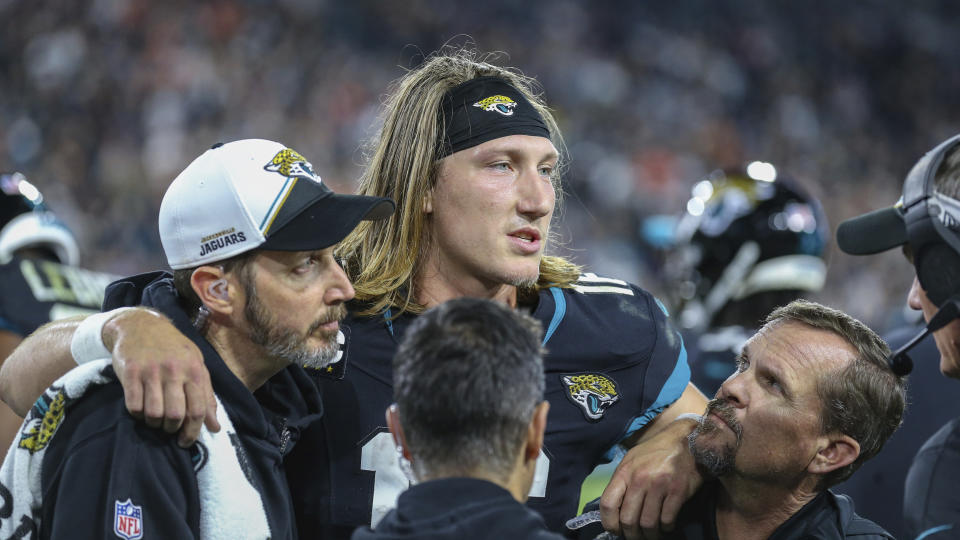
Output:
x,y
212,287
393,424
835,451
538,424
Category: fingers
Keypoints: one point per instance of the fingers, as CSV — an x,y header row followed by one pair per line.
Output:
x,y
610,505
152,399
196,403
648,524
200,406
164,377
670,511
635,513
179,405
133,390
174,406
210,419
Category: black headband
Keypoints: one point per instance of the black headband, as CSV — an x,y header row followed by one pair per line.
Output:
x,y
484,109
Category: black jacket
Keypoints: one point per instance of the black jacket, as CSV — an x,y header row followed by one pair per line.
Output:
x,y
931,501
103,456
458,509
827,517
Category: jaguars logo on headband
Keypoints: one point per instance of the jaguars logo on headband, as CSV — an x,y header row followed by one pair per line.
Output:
x,y
594,393
290,163
498,103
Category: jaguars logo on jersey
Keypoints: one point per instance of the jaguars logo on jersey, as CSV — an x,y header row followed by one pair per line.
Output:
x,y
498,103
594,393
289,163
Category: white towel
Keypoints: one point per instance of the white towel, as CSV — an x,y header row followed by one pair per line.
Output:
x,y
230,507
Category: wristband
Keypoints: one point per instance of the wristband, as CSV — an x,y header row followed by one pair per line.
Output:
x,y
87,343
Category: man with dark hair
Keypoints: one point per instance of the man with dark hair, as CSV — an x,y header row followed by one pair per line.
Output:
x,y
925,223
812,399
249,230
469,416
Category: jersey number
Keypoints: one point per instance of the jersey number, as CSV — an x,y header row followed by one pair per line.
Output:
x,y
379,455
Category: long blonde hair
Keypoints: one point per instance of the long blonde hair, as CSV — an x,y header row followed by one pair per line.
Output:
x,y
383,257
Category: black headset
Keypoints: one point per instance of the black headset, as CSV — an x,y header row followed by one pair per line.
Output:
x,y
932,223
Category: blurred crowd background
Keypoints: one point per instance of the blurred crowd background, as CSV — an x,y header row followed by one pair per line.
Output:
x,y
103,102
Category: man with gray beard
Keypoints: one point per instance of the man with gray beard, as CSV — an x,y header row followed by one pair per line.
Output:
x,y
249,231
812,398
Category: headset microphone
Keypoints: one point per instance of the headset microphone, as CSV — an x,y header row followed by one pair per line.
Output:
x,y
899,361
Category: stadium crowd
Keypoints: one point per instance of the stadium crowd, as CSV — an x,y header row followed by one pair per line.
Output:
x,y
102,102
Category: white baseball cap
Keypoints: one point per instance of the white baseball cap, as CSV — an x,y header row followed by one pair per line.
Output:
x,y
255,193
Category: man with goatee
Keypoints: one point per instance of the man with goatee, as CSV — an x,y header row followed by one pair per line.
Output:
x,y
812,399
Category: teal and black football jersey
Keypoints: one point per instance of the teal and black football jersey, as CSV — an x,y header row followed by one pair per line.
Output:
x,y
613,363
35,292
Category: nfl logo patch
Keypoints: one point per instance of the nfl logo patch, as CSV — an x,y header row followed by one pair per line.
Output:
x,y
127,520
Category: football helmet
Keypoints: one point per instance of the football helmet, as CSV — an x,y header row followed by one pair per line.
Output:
x,y
26,222
745,232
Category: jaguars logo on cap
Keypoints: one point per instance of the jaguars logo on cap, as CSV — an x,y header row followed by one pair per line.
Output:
x,y
290,163
594,393
498,103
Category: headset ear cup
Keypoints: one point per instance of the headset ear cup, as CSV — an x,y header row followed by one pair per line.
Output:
x,y
938,269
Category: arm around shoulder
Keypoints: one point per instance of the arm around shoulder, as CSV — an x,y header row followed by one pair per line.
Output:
x,y
40,359
691,402
657,475
48,353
